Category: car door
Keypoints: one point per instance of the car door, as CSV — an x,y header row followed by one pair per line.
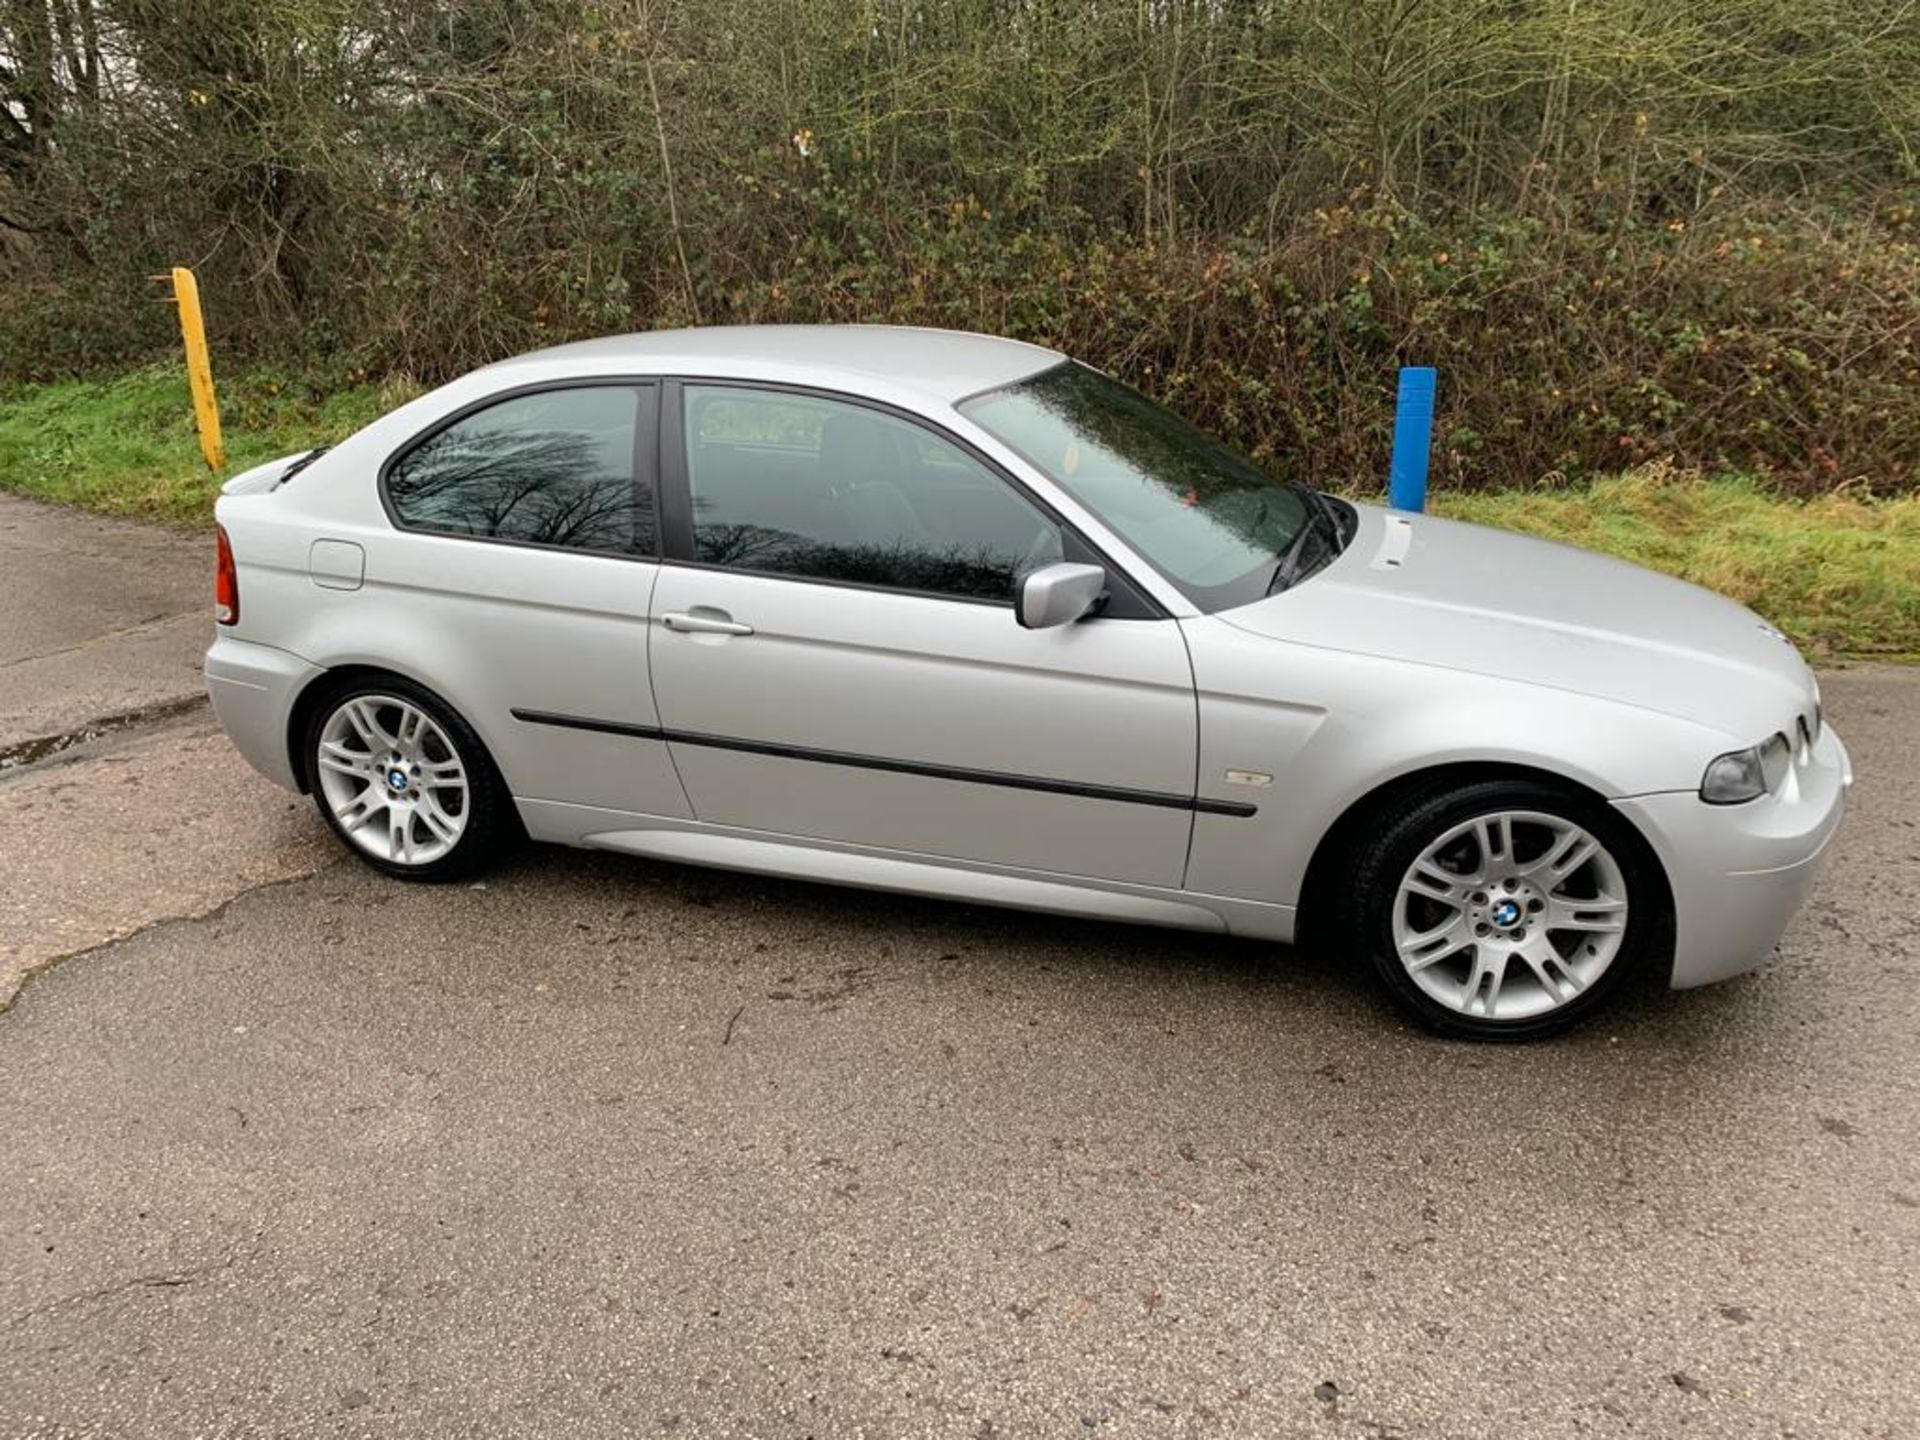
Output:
x,y
518,581
835,654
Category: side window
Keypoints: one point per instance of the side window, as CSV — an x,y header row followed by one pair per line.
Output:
x,y
799,485
550,468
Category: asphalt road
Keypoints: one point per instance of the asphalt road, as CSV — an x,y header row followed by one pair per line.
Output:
x,y
120,802
98,618
608,1148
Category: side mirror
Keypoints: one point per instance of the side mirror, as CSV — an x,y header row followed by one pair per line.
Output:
x,y
1059,594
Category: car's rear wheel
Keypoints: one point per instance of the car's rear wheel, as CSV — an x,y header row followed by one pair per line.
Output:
x,y
1505,910
404,781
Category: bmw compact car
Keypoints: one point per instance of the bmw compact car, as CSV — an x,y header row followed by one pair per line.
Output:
x,y
959,616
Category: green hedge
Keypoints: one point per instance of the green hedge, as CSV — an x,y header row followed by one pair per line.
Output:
x,y
1622,230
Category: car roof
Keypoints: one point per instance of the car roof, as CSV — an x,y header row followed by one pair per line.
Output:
x,y
944,365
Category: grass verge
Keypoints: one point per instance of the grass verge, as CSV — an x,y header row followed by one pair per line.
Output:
x,y
127,445
1839,573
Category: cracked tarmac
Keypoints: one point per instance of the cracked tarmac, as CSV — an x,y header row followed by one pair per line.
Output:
x,y
120,802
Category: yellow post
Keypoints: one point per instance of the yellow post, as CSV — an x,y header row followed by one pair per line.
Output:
x,y
193,331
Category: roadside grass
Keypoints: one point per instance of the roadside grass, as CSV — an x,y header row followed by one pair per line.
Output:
x,y
1840,573
127,445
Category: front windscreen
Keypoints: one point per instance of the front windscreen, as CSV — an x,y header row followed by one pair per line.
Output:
x,y
1204,517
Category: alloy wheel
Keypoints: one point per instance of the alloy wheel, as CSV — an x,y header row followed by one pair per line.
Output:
x,y
1510,915
392,780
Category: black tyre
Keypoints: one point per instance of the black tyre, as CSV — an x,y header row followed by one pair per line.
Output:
x,y
403,780
1504,909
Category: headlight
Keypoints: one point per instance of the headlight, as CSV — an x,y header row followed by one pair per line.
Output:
x,y
1747,774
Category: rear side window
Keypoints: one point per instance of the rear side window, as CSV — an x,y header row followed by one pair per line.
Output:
x,y
552,468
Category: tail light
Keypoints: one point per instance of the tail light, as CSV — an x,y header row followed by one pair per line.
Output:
x,y
226,581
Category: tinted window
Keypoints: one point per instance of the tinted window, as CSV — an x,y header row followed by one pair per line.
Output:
x,y
553,468
834,491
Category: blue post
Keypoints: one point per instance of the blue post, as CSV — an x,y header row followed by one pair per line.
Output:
x,y
1412,439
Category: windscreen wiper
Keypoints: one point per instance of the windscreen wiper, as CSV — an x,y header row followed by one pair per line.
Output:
x,y
1333,538
298,465
1336,523
1288,570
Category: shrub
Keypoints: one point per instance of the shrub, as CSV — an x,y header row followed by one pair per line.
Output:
x,y
1621,230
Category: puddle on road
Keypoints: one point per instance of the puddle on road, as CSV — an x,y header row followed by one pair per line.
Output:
x,y
31,752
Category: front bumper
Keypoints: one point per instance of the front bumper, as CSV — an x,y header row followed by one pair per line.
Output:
x,y
253,688
1740,873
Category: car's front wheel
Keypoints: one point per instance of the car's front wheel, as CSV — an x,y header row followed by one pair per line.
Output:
x,y
1505,910
404,781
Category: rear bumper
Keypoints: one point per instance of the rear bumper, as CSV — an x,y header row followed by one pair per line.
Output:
x,y
253,688
1740,873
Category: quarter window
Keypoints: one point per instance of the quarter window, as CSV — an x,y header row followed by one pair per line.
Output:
x,y
551,468
800,485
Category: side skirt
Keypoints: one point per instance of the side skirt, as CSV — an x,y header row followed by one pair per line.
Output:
x,y
689,842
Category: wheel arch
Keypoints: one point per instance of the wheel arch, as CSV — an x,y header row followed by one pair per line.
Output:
x,y
1317,900
318,685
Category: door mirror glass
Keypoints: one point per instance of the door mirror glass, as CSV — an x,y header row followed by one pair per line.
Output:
x,y
1059,594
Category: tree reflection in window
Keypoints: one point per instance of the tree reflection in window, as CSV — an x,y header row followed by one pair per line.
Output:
x,y
980,573
554,468
1212,522
800,485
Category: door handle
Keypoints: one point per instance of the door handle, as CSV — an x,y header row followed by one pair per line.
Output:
x,y
703,621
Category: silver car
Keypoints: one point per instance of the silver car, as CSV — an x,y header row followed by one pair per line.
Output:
x,y
958,616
